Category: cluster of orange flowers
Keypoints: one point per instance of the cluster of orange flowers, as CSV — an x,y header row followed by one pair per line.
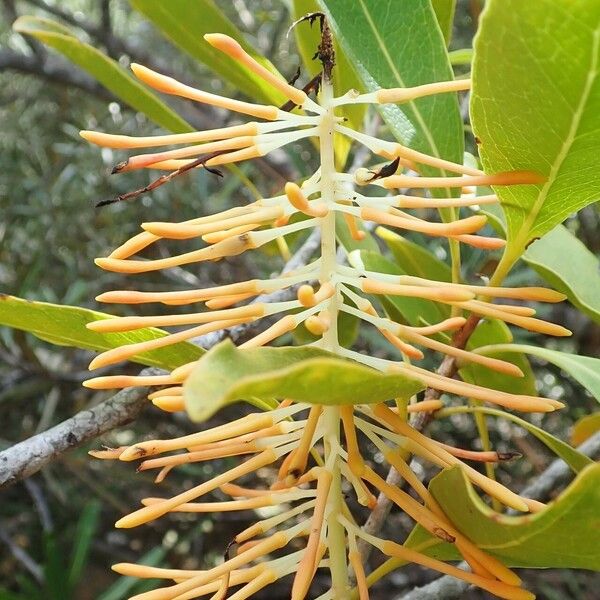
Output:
x,y
305,443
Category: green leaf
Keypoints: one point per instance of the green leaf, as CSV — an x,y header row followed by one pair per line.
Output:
x,y
414,259
568,266
414,311
54,568
104,69
84,536
185,24
585,369
66,326
575,459
564,535
397,43
535,107
344,76
226,374
497,332
444,12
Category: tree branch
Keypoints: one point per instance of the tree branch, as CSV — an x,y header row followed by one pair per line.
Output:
x,y
53,70
448,588
29,456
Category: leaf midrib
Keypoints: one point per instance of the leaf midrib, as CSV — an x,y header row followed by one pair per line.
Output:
x,y
392,66
526,228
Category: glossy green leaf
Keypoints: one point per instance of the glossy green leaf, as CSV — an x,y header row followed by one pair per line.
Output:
x,y
66,326
444,12
568,266
564,535
226,374
497,332
414,259
345,77
185,24
575,459
536,93
397,43
108,72
585,369
414,311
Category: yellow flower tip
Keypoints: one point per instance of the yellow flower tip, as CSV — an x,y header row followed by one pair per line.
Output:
x,y
106,358
561,331
316,325
554,296
124,523
94,137
99,325
94,384
299,201
225,44
233,49
292,189
306,295
514,370
173,231
120,568
109,264
169,404
478,221
156,80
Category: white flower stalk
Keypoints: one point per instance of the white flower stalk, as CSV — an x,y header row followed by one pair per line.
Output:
x,y
315,450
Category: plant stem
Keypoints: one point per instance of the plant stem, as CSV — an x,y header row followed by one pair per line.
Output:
x,y
336,539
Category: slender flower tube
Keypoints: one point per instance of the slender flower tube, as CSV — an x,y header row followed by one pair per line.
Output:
x,y
313,452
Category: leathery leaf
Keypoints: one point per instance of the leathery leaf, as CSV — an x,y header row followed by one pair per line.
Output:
x,y
226,374
564,535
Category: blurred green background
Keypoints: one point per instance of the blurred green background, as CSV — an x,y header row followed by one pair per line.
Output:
x,y
56,535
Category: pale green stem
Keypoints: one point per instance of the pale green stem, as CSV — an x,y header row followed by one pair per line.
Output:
x,y
336,539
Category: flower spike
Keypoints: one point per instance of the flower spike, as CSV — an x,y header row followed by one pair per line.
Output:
x,y
313,454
